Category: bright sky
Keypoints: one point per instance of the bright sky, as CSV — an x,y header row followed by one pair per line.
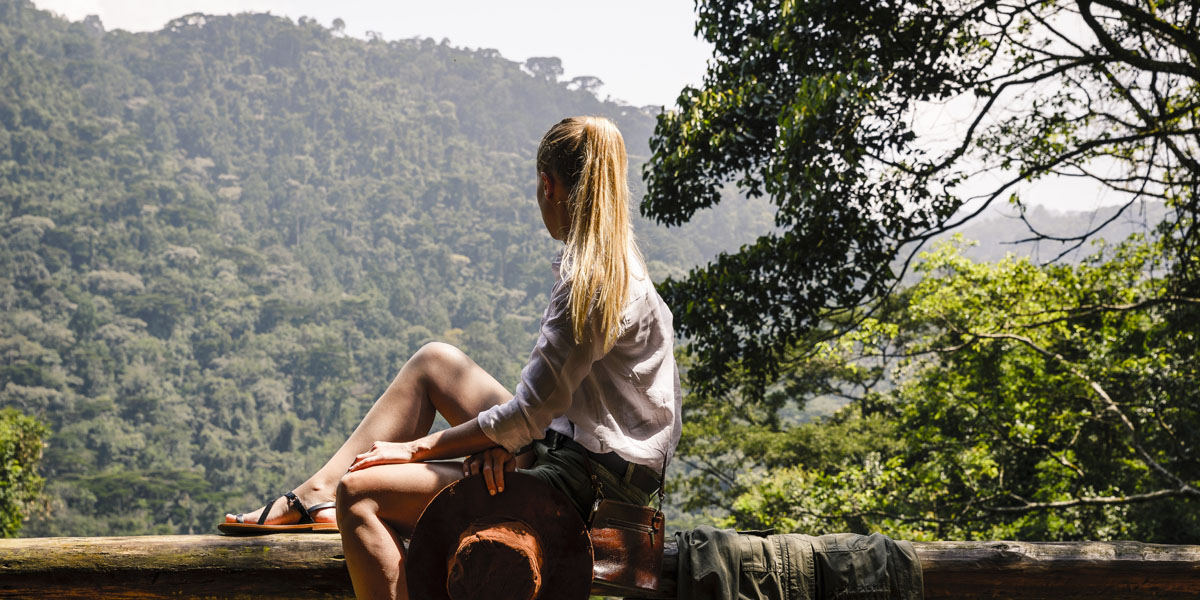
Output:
x,y
643,50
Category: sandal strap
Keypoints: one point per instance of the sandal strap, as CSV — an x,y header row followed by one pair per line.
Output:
x,y
292,500
262,518
322,506
305,518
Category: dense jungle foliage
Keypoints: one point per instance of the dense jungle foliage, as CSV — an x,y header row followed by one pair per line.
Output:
x,y
221,240
1046,399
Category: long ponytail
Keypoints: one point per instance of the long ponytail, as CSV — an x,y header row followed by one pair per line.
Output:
x,y
588,155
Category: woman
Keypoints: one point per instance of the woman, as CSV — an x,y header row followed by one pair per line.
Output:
x,y
600,390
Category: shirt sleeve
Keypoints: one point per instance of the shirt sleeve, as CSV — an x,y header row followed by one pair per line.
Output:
x,y
555,369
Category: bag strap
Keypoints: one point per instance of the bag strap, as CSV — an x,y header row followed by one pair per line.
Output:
x,y
662,483
598,488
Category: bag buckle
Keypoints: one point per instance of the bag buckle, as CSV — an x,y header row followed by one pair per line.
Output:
x,y
592,515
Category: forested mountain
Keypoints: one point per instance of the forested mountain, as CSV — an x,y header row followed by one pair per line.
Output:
x,y
219,241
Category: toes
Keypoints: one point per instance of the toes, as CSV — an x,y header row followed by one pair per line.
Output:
x,y
243,517
281,514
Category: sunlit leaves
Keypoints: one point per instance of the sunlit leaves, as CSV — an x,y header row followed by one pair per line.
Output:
x,y
995,438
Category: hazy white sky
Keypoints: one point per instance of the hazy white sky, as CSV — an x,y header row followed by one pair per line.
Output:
x,y
643,50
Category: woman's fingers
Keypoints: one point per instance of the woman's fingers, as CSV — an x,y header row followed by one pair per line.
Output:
x,y
382,453
364,459
489,477
498,463
472,464
492,462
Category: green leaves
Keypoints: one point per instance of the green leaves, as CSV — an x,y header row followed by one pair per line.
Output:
x,y
825,107
20,485
1029,402
1035,401
796,109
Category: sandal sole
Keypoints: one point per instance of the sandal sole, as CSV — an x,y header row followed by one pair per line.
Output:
x,y
256,529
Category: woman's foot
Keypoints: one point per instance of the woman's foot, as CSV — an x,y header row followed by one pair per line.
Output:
x,y
285,512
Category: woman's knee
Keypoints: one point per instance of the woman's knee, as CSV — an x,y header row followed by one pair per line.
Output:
x,y
353,496
438,357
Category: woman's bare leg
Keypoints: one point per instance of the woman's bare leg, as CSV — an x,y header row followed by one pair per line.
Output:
x,y
378,505
438,378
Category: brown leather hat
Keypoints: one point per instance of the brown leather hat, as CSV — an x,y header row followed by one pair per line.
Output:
x,y
534,524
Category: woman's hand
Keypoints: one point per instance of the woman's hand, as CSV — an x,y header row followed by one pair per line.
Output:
x,y
493,462
384,453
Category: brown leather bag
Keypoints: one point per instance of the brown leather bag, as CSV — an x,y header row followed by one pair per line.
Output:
x,y
627,547
627,543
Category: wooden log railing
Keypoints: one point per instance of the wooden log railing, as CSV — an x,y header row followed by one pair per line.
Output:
x,y
299,566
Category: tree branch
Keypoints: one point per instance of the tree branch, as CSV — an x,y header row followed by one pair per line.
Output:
x,y
706,468
970,134
1142,18
1083,311
1039,236
1090,500
1121,53
1108,402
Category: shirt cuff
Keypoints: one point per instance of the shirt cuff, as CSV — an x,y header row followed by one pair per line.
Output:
x,y
504,427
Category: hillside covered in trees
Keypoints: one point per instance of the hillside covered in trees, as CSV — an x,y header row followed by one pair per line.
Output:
x,y
221,240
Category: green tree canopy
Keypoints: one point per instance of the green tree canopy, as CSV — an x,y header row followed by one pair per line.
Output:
x,y
20,485
1001,399
812,103
1034,402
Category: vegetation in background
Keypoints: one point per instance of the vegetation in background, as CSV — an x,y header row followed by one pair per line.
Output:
x,y
814,104
219,242
1005,399
20,485
1032,402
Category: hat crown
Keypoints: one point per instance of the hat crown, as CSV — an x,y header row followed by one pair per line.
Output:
x,y
501,561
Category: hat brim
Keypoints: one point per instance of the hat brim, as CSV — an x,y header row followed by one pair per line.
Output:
x,y
566,550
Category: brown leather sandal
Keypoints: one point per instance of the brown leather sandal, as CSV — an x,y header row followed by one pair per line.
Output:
x,y
306,524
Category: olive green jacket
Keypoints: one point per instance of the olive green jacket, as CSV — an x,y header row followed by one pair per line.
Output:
x,y
717,564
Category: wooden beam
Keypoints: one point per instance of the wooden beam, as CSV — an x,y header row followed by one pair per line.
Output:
x,y
1040,570
301,566
1059,570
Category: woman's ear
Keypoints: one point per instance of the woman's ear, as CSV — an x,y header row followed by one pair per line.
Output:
x,y
548,184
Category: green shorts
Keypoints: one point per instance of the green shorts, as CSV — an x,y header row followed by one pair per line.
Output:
x,y
565,469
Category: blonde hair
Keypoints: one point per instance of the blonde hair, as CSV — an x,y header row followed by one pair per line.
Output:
x,y
587,155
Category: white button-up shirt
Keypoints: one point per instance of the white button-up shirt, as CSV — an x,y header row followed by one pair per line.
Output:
x,y
626,400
